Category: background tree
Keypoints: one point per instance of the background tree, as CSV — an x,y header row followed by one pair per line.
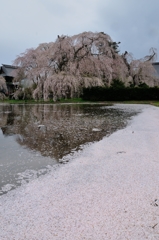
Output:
x,y
142,70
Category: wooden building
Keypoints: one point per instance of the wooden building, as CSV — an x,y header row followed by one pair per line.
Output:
x,y
8,72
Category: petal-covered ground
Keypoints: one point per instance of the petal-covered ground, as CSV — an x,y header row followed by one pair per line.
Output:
x,y
109,191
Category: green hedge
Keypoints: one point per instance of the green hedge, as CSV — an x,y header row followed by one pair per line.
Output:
x,y
120,94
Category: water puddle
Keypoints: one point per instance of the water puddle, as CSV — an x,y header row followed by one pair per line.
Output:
x,y
33,138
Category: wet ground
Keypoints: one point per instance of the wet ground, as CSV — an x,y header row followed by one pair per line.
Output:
x,y
33,138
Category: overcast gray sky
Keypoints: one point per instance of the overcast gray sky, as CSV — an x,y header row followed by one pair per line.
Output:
x,y
27,23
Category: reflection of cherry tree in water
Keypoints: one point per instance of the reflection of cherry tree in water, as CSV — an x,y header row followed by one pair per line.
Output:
x,y
56,130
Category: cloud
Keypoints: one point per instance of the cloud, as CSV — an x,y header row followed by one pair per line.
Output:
x,y
134,23
29,23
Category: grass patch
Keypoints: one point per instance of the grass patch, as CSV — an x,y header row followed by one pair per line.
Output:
x,y
155,104
78,100
72,100
12,101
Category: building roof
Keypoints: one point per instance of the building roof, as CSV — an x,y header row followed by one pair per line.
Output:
x,y
155,63
8,70
156,66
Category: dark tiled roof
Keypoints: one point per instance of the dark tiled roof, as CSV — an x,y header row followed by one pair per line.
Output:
x,y
155,63
156,67
9,66
8,70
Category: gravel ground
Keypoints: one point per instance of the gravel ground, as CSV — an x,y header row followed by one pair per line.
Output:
x,y
109,191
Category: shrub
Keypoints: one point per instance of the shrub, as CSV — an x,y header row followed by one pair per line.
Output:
x,y
116,84
120,94
23,94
